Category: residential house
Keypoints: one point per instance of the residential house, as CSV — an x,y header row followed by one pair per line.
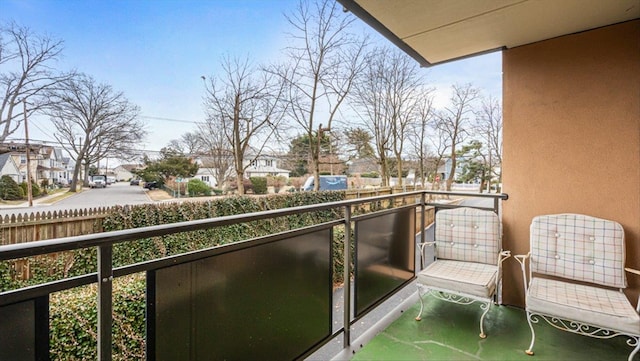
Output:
x,y
46,163
9,167
124,172
209,168
50,169
363,165
262,166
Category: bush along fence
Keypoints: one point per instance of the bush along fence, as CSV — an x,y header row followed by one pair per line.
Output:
x,y
73,332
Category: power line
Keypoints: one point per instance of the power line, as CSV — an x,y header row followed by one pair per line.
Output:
x,y
173,120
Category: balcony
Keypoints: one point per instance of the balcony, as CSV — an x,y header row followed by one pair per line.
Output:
x,y
274,296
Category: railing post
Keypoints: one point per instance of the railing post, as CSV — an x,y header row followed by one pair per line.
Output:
x,y
347,277
423,216
105,301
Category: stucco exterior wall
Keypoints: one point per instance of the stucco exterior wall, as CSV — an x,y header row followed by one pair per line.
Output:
x,y
572,137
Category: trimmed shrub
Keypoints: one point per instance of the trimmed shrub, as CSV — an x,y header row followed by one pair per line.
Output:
x,y
198,188
9,189
35,190
259,185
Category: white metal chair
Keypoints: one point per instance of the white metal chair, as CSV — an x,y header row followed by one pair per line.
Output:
x,y
468,260
576,278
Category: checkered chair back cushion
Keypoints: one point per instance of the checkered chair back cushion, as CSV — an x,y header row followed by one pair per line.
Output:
x,y
579,247
467,234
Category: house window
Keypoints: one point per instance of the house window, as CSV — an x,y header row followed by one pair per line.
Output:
x,y
268,162
205,178
23,159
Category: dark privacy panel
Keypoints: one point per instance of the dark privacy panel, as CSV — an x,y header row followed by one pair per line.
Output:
x,y
385,256
24,330
265,302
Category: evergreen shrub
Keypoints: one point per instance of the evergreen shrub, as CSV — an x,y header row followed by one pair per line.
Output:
x,y
197,187
259,185
9,189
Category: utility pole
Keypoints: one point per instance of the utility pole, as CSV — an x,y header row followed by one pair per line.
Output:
x,y
26,142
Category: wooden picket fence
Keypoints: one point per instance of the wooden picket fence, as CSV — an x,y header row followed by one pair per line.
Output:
x,y
29,227
35,226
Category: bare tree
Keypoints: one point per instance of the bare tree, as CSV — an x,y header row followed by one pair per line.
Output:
x,y
324,61
93,122
440,146
371,107
454,120
245,103
489,129
403,82
420,132
216,150
386,96
188,143
26,73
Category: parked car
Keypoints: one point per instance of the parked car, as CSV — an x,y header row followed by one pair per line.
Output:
x,y
134,182
151,185
98,181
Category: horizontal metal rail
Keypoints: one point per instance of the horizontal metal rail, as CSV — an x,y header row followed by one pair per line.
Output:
x,y
28,249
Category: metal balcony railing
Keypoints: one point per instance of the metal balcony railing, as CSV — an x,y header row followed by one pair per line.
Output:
x,y
270,296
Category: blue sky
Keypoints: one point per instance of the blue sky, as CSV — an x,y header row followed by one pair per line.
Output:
x,y
156,51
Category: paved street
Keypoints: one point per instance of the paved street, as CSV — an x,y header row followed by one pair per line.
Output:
x,y
115,194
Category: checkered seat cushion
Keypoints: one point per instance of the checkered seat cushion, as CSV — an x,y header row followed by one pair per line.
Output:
x,y
595,306
477,279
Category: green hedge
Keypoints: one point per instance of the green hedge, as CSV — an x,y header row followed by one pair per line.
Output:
x,y
73,313
73,321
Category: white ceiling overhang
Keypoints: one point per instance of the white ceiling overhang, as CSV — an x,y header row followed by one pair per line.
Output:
x,y
437,31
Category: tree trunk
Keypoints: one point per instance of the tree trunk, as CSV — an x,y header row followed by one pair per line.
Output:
x,y
76,174
452,172
240,181
399,169
86,175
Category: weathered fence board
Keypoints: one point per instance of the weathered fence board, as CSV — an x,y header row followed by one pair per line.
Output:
x,y
36,226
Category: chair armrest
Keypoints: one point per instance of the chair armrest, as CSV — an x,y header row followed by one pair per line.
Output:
x,y
631,270
421,246
636,272
522,259
502,256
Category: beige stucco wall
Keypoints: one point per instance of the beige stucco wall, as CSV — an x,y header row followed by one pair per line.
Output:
x,y
572,137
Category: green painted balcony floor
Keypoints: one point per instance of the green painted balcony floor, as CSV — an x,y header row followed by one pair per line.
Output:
x,y
450,332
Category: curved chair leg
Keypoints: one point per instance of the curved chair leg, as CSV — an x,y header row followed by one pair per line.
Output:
x,y
419,317
635,350
529,351
486,307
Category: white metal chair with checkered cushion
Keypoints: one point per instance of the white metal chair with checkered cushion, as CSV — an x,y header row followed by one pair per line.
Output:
x,y
468,259
585,256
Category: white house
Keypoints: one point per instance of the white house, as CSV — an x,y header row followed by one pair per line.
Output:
x,y
9,167
207,175
262,166
124,172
